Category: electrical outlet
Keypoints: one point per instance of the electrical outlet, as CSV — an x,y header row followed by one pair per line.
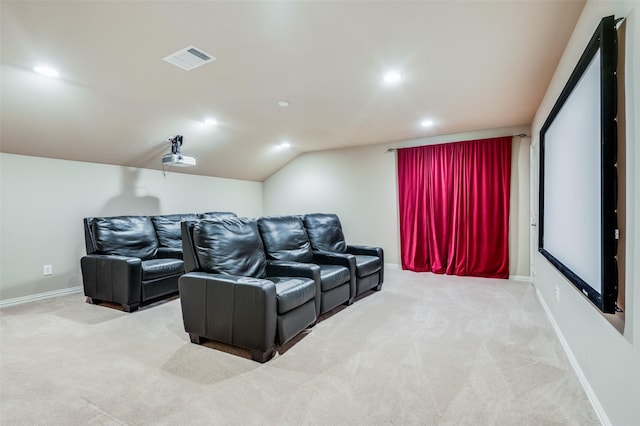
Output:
x,y
556,292
47,270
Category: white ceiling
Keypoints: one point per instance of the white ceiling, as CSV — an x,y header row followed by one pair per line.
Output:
x,y
467,65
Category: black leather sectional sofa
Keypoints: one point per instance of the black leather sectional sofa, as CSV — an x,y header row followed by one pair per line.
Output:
x,y
250,283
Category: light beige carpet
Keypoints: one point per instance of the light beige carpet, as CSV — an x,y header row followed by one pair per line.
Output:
x,y
427,349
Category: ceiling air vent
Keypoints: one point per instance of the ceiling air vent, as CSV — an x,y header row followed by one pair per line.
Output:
x,y
189,58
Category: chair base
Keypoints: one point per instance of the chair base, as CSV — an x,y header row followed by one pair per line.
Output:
x,y
195,339
256,355
125,307
130,308
262,357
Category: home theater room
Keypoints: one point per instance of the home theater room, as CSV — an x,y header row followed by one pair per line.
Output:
x,y
320,212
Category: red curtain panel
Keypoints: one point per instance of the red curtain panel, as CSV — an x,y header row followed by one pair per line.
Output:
x,y
454,207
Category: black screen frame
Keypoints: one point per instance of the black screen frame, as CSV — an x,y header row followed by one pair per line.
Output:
x,y
603,40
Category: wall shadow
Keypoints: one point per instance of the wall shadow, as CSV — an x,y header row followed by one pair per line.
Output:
x,y
128,202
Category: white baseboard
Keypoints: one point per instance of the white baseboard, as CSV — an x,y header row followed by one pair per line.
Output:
x,y
40,296
526,278
595,403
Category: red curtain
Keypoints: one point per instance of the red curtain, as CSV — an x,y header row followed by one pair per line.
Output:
x,y
454,207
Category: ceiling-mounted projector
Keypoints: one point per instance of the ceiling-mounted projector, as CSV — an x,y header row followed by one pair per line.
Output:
x,y
176,158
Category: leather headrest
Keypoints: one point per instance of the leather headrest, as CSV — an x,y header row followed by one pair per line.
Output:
x,y
325,232
168,228
132,236
285,238
230,246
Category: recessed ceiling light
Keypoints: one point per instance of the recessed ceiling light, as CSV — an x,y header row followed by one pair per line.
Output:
x,y
426,123
283,104
45,70
392,77
284,144
210,122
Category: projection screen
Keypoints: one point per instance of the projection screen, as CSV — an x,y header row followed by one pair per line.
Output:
x,y
578,178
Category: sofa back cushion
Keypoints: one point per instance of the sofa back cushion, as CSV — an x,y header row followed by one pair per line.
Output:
x,y
325,232
132,236
230,246
216,215
284,238
168,228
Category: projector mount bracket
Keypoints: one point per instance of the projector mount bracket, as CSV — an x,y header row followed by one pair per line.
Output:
x,y
176,143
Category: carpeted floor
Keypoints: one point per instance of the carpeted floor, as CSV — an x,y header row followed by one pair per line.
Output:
x,y
427,349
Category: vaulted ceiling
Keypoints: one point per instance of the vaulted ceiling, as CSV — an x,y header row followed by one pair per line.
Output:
x,y
465,65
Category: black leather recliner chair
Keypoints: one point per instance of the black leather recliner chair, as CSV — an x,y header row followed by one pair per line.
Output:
x,y
231,294
123,264
285,240
169,233
326,236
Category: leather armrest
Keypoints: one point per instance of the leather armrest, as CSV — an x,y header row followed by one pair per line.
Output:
x,y
365,250
284,268
169,252
228,279
112,278
330,258
236,310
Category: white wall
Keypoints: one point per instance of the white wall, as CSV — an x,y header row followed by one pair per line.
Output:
x,y
519,220
44,200
609,361
360,185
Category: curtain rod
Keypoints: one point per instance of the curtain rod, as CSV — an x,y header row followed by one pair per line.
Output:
x,y
520,135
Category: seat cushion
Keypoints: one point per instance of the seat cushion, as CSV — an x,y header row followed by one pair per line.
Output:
x,y
325,232
230,246
132,236
293,292
159,268
367,265
284,238
168,228
332,276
